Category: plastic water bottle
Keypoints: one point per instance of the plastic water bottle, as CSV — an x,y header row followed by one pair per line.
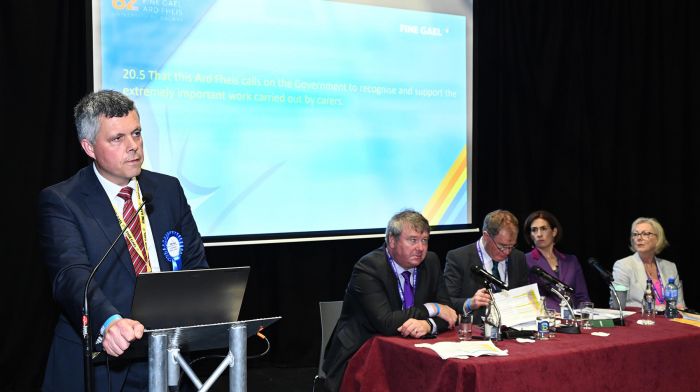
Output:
x,y
543,322
671,297
564,311
648,306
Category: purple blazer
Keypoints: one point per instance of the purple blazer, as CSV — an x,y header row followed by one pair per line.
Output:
x,y
569,272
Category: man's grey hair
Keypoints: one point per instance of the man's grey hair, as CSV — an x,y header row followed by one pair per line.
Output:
x,y
104,103
406,219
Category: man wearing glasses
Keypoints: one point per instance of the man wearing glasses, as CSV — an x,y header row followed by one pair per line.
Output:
x,y
495,252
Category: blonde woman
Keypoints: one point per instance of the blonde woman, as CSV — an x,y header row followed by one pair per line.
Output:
x,y
647,240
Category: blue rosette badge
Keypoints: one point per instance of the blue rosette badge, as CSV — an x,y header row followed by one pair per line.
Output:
x,y
173,246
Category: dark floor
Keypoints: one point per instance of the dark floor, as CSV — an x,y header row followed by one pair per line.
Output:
x,y
281,379
269,379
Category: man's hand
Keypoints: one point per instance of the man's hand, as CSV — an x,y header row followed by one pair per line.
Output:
x,y
119,334
448,314
415,328
480,298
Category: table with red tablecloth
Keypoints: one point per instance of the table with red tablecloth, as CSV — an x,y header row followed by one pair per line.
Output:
x,y
662,357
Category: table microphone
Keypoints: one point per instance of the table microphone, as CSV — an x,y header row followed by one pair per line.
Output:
x,y
607,276
87,336
551,279
479,270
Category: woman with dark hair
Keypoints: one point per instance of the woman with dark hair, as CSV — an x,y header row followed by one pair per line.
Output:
x,y
542,231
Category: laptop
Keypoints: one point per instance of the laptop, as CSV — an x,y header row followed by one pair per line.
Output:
x,y
195,308
188,298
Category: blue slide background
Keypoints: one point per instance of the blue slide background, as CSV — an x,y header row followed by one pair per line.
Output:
x,y
292,116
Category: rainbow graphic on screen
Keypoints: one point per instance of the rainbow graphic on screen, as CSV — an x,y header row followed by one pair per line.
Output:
x,y
447,198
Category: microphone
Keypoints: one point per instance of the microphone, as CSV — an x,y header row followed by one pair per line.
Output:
x,y
551,279
607,276
479,270
87,336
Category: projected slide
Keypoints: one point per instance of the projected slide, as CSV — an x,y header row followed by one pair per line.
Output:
x,y
296,116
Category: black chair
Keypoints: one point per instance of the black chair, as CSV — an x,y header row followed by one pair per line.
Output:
x,y
330,312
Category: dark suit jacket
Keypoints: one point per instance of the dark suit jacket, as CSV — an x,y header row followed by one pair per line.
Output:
x,y
569,272
373,306
462,284
77,226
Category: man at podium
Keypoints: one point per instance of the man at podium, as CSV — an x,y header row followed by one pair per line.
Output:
x,y
112,199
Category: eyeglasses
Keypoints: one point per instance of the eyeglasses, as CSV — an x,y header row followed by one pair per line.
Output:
x,y
645,234
502,248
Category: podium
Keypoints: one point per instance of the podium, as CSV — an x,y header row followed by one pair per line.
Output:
x,y
165,361
163,348
180,315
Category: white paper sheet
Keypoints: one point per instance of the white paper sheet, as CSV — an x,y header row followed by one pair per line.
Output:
x,y
464,349
520,305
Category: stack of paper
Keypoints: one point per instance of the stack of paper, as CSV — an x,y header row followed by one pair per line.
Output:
x,y
607,314
464,349
517,306
690,316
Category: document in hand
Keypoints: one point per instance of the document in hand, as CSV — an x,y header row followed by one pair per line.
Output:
x,y
520,305
464,349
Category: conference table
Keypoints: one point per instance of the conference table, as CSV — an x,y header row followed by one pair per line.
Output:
x,y
662,357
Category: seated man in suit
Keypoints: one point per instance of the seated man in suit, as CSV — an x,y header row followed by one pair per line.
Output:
x,y
495,252
79,219
394,290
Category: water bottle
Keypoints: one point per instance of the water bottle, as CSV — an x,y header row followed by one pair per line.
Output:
x,y
671,297
490,329
564,311
543,323
648,306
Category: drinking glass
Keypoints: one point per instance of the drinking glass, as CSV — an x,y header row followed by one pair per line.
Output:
x,y
586,309
464,326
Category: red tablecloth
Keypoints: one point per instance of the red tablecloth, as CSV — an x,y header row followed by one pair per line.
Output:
x,y
632,358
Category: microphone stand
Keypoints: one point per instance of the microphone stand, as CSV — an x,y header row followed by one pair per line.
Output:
x,y
619,305
573,329
87,335
609,278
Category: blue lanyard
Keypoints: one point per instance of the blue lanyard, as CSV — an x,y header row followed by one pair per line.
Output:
x,y
483,263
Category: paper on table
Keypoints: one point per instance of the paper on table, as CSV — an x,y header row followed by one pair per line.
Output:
x,y
690,316
519,305
464,349
687,321
608,314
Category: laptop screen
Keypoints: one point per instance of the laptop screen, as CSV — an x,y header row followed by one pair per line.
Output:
x,y
191,297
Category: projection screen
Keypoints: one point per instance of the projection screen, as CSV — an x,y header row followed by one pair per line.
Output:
x,y
289,120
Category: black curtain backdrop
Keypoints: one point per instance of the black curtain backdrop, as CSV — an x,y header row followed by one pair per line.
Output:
x,y
587,109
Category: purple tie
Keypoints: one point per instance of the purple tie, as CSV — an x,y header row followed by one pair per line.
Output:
x,y
407,290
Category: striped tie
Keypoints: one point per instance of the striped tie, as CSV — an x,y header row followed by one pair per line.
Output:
x,y
135,228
